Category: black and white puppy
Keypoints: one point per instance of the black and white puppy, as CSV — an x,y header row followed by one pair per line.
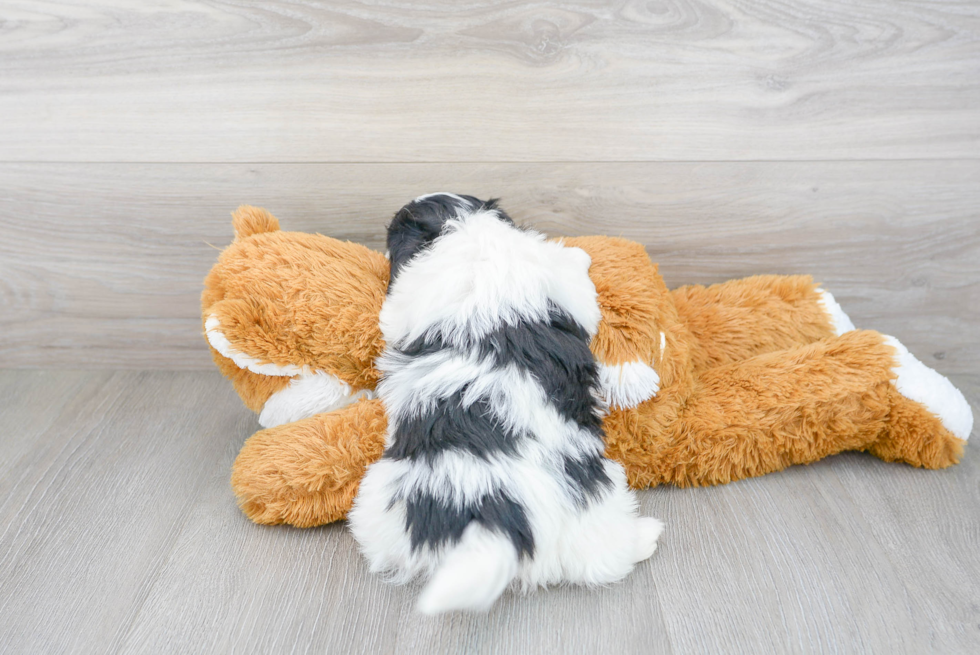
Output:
x,y
493,469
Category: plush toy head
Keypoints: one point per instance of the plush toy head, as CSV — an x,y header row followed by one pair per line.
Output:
x,y
278,306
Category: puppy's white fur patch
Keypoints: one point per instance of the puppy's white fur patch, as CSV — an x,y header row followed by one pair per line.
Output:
x,y
598,545
918,382
472,575
500,275
306,396
441,193
412,385
840,321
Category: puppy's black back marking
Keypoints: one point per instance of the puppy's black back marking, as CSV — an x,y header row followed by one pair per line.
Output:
x,y
556,352
449,426
588,475
435,522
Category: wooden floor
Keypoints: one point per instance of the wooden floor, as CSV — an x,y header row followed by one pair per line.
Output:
x,y
830,137
119,533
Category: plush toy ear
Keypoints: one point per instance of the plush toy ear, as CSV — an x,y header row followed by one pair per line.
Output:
x,y
248,220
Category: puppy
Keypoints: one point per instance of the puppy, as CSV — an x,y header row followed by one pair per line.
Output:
x,y
493,470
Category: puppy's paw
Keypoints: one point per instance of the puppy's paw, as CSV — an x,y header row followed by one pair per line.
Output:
x,y
628,384
648,530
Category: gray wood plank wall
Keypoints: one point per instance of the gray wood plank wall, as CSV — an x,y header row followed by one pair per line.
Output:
x,y
729,138
471,80
102,263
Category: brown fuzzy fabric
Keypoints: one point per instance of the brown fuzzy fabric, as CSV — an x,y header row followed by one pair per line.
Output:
x,y
295,298
739,319
632,313
758,415
248,220
307,473
915,436
752,379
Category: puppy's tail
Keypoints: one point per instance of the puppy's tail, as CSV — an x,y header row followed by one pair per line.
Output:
x,y
472,575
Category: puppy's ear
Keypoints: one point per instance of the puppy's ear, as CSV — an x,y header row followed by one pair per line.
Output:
x,y
494,205
420,222
411,231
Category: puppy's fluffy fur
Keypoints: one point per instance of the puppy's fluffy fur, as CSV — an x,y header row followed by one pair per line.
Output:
x,y
493,468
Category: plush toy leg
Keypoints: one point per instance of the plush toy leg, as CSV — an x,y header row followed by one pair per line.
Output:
x,y
768,412
916,436
930,420
739,319
306,473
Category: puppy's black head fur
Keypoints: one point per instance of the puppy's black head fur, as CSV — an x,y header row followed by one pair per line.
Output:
x,y
420,222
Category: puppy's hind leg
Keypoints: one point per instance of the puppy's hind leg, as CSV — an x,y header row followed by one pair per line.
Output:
x,y
378,523
608,539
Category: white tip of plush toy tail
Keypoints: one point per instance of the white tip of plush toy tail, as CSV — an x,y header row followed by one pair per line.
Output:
x,y
473,574
918,382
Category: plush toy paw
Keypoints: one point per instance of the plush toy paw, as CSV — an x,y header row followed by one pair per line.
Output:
x,y
929,419
307,473
918,382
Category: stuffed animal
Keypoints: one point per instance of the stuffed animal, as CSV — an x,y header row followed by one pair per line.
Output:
x,y
493,469
704,385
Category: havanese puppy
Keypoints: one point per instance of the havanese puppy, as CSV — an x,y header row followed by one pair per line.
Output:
x,y
493,470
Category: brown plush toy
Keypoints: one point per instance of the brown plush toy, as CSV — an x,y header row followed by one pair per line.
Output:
x,y
705,384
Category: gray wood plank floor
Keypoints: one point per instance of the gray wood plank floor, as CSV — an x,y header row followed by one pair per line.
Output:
x,y
119,533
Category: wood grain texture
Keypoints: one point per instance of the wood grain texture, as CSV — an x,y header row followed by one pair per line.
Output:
x,y
566,80
101,265
119,533
97,485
